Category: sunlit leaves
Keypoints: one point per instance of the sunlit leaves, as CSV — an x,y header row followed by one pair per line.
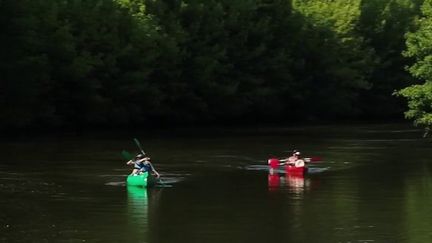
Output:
x,y
419,47
419,103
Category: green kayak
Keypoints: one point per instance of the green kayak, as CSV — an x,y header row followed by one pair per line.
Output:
x,y
144,180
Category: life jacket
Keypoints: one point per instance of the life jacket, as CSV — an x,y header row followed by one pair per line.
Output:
x,y
142,166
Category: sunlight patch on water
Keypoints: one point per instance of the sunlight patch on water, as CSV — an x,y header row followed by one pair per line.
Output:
x,y
116,183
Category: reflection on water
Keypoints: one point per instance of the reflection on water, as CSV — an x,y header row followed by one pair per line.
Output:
x,y
417,204
138,212
296,183
273,180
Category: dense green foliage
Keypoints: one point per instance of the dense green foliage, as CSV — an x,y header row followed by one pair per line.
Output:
x,y
384,24
130,62
419,47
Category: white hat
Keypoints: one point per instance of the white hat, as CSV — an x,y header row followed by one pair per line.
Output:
x,y
297,153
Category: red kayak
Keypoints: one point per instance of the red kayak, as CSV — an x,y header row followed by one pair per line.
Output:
x,y
289,169
292,170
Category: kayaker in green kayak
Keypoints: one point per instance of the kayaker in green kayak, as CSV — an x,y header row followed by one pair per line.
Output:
x,y
142,164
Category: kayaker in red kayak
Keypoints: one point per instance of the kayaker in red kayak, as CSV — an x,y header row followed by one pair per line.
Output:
x,y
142,164
295,160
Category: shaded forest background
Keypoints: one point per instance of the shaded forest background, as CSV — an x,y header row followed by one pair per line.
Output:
x,y
117,63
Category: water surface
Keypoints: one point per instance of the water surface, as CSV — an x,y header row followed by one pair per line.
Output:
x,y
373,185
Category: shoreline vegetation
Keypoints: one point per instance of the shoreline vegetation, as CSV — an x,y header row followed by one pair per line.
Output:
x,y
127,64
213,130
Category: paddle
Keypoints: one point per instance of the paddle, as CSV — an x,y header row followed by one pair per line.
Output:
x,y
307,159
312,159
139,146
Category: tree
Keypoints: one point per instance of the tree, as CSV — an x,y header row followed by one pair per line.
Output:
x,y
383,24
24,67
419,47
333,60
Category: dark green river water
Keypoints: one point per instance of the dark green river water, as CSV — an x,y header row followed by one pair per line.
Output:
x,y
373,185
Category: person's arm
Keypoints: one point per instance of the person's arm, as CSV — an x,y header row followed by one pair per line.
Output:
x,y
130,162
284,162
290,161
154,170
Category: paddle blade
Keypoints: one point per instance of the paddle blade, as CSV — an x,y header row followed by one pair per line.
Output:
x,y
126,155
